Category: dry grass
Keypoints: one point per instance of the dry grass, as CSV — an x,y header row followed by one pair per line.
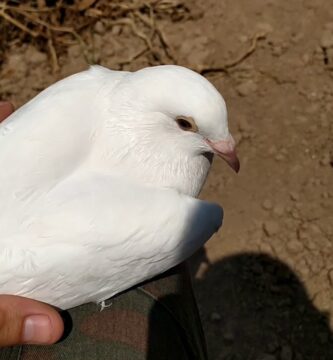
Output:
x,y
52,26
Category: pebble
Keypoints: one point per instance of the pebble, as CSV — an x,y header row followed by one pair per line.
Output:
x,y
325,160
322,301
246,88
279,157
74,51
315,229
271,227
266,248
34,56
306,58
301,119
326,40
294,246
302,234
267,204
277,50
328,26
99,27
294,196
264,27
17,64
278,210
116,30
244,125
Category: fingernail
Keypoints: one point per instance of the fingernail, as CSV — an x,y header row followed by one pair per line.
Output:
x,y
37,329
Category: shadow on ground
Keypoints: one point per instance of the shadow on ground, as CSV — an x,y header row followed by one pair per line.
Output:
x,y
258,309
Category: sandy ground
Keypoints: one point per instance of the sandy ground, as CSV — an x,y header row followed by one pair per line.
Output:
x,y
264,283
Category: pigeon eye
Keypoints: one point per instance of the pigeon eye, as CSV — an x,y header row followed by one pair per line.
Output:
x,y
186,123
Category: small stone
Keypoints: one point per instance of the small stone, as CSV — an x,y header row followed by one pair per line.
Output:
x,y
306,58
244,125
99,27
302,119
296,37
243,38
271,227
17,64
116,29
326,40
278,210
325,160
74,51
215,317
294,196
302,234
294,246
265,27
266,248
279,157
267,204
34,56
246,88
322,301
325,195
277,50
315,229
304,269
286,353
312,129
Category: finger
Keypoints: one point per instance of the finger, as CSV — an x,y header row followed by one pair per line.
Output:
x,y
26,321
6,108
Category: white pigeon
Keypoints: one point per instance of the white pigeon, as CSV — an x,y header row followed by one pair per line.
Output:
x,y
99,175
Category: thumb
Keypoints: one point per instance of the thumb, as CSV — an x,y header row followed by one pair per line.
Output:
x,y
6,108
26,321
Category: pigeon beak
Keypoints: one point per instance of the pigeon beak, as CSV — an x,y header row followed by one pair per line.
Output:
x,y
226,150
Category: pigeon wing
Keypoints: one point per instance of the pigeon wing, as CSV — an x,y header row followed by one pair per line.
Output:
x,y
50,136
95,236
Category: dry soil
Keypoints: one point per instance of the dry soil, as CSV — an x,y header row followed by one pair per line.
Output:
x,y
264,282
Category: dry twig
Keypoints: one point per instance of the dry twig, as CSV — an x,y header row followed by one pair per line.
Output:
x,y
226,67
53,28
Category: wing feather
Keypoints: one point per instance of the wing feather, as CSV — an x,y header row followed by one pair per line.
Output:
x,y
95,236
49,137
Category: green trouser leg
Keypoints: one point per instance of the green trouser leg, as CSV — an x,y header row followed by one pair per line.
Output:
x,y
156,321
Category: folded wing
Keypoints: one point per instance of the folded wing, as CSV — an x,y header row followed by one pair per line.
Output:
x,y
94,236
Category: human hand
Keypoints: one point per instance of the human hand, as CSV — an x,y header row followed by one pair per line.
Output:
x,y
26,321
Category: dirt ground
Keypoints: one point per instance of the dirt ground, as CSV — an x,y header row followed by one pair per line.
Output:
x,y
265,283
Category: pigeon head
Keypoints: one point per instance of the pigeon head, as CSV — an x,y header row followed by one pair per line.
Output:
x,y
171,119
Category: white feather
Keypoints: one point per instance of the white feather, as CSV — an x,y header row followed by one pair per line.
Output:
x,y
96,184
